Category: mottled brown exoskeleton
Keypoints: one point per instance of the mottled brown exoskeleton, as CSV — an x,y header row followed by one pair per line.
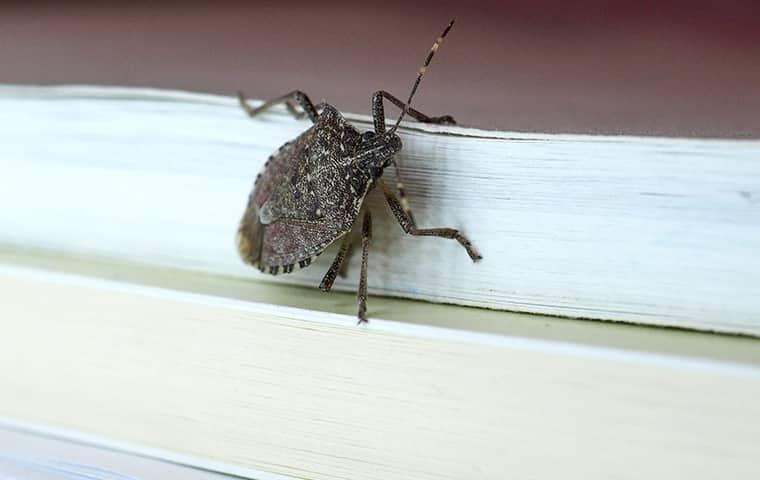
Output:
x,y
310,192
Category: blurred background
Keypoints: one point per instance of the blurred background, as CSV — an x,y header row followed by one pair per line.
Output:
x,y
687,68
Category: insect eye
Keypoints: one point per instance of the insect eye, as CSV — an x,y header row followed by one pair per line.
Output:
x,y
395,143
368,135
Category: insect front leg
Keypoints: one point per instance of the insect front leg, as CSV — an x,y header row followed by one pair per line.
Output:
x,y
361,294
378,112
296,96
402,194
408,225
378,118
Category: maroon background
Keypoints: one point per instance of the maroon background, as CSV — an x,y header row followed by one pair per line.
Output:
x,y
668,68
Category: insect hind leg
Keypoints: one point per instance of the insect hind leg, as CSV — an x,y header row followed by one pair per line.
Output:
x,y
289,99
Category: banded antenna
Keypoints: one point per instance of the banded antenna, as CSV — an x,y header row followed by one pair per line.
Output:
x,y
421,72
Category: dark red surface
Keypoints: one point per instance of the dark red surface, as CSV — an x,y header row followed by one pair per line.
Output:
x,y
665,68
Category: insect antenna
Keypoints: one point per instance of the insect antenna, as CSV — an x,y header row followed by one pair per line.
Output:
x,y
421,72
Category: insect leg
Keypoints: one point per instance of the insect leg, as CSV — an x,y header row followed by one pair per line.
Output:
x,y
406,107
378,117
335,268
288,99
402,194
361,295
378,112
299,115
408,225
343,272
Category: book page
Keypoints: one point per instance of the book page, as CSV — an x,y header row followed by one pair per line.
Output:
x,y
25,456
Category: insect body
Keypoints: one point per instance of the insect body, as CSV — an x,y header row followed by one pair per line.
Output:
x,y
310,192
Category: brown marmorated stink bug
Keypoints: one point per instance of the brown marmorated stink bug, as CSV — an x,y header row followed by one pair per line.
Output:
x,y
310,192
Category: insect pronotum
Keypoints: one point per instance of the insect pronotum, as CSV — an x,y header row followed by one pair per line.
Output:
x,y
310,192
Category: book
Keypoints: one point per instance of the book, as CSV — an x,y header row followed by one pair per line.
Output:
x,y
659,231
28,456
266,391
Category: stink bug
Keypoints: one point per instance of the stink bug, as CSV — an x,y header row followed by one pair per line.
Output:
x,y
310,192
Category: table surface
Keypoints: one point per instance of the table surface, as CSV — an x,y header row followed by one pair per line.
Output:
x,y
676,68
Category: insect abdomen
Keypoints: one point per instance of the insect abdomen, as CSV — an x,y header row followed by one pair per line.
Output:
x,y
249,236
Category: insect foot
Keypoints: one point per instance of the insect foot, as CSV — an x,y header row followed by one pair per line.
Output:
x,y
311,191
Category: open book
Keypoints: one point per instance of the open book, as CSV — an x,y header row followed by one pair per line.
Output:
x,y
659,231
